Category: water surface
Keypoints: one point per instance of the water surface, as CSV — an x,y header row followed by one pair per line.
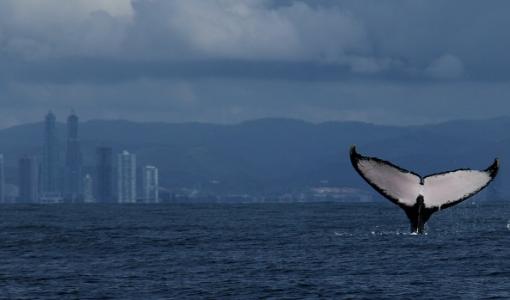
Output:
x,y
251,251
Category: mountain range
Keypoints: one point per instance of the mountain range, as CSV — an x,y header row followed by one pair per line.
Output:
x,y
271,156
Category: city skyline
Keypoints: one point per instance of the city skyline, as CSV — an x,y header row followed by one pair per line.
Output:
x,y
204,162
58,177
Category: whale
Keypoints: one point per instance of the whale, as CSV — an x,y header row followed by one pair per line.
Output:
x,y
421,196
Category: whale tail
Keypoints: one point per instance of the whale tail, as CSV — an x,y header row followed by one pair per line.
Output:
x,y
421,196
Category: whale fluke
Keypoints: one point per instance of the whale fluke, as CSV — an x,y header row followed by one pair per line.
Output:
x,y
421,196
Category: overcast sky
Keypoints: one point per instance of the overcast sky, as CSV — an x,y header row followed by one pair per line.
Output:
x,y
224,61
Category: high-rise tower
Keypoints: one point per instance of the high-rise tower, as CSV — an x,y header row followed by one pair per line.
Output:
x,y
28,180
126,177
104,175
51,159
88,194
73,165
150,184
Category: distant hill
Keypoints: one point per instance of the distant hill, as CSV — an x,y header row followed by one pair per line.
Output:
x,y
277,155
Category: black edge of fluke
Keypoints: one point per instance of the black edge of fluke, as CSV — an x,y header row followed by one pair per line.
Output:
x,y
352,152
493,169
354,157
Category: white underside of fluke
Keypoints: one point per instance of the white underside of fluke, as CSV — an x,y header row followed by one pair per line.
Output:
x,y
404,187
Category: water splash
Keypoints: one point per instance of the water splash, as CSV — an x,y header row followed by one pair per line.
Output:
x,y
398,232
343,233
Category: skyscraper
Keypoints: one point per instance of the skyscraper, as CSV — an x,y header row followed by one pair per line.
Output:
x,y
126,177
88,194
104,174
28,180
2,179
73,164
51,159
150,184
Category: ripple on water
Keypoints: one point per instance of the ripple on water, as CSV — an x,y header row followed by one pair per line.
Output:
x,y
251,251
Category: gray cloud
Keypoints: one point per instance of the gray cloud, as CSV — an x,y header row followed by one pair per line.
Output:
x,y
446,66
224,60
364,37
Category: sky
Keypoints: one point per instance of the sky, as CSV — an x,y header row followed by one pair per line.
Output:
x,y
396,62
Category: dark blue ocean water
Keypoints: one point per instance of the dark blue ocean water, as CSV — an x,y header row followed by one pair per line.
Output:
x,y
251,251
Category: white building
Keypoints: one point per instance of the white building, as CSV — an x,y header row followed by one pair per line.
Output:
x,y
88,189
126,177
150,184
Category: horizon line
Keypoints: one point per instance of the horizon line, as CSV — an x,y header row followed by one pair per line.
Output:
x,y
266,119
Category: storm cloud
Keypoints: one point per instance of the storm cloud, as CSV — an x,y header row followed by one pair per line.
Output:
x,y
392,62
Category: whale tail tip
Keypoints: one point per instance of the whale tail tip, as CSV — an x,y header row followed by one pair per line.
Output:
x,y
352,149
494,168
